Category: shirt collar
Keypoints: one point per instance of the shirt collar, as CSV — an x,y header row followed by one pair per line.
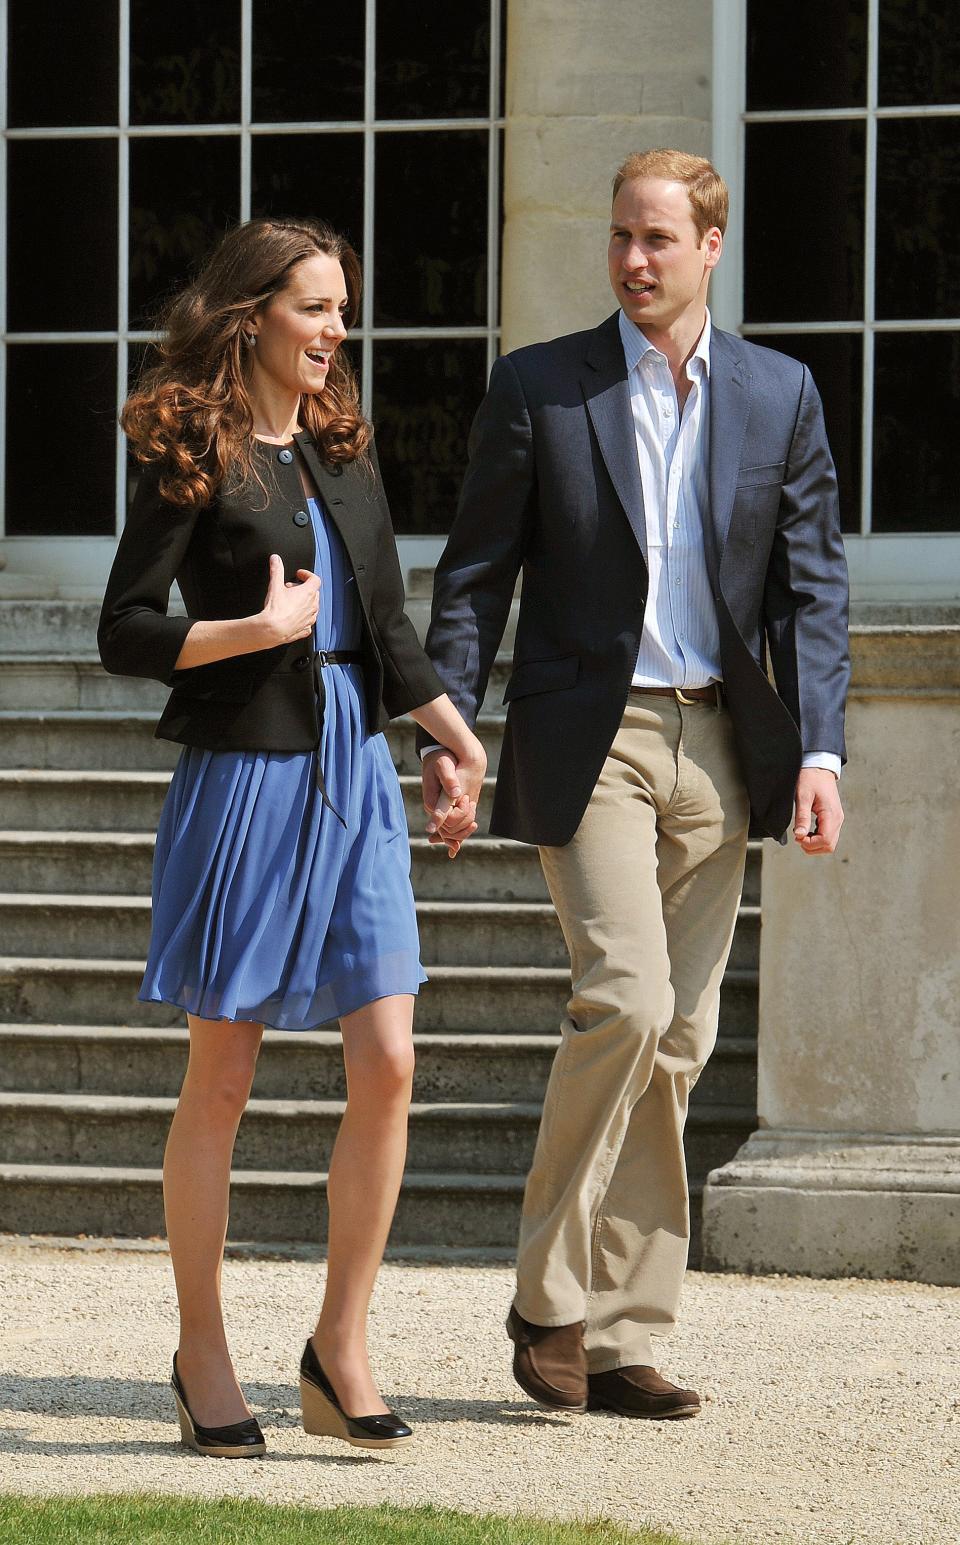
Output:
x,y
636,345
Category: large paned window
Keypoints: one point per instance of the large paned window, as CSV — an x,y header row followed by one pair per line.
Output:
x,y
135,133
838,126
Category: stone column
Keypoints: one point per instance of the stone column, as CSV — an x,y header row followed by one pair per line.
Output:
x,y
586,85
856,1167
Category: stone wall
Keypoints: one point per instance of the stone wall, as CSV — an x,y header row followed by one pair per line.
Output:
x,y
586,85
856,1167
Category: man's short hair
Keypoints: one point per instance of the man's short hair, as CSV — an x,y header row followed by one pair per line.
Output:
x,y
707,191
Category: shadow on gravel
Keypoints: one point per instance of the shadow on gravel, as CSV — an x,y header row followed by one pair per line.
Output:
x,y
276,1406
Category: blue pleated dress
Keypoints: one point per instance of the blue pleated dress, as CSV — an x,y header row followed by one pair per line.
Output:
x,y
266,907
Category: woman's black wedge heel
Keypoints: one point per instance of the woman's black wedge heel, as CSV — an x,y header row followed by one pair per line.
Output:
x,y
239,1440
324,1416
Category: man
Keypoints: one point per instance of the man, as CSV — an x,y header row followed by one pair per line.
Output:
x,y
668,492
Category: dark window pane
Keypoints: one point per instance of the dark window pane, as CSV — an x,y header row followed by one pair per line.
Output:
x,y
918,257
62,63
185,61
62,241
835,361
919,54
916,411
184,193
812,55
431,229
71,388
433,59
317,176
425,394
803,222
290,83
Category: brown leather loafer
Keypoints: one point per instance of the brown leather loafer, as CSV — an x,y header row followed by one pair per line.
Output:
x,y
640,1391
549,1362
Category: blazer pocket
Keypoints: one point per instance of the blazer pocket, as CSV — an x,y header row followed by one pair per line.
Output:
x,y
542,676
761,477
225,687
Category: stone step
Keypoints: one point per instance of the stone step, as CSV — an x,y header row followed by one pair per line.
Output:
x,y
48,800
492,933
120,863
483,999
71,681
52,803
112,863
30,626
473,1137
92,739
108,1059
62,682
434,1210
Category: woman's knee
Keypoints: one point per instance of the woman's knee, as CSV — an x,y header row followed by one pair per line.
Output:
x,y
385,1073
222,1073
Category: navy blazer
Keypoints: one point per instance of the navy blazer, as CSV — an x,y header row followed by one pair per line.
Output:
x,y
553,489
219,556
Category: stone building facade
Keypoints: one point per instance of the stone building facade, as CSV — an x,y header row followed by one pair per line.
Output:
x,y
469,151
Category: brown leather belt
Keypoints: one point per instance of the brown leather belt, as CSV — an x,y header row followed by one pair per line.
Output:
x,y
712,694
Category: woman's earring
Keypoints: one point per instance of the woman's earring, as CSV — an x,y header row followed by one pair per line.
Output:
x,y
250,339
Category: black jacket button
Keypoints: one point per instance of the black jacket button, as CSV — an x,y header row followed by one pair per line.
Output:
x,y
301,662
285,456
301,518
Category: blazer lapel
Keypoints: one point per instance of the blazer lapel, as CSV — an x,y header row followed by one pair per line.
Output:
x,y
607,396
338,489
730,384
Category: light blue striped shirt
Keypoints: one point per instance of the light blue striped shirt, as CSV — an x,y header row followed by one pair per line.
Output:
x,y
680,643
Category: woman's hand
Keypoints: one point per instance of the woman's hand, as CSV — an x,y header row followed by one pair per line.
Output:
x,y
290,610
451,793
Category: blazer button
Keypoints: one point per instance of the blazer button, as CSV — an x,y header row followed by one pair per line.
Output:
x,y
301,662
286,456
301,518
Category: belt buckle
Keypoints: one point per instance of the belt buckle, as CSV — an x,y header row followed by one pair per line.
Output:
x,y
682,698
321,657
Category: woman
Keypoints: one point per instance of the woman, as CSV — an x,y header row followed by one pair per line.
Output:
x,y
281,889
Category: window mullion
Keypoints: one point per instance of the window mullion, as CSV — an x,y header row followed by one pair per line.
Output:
x,y
493,189
369,173
870,266
123,250
3,264
246,103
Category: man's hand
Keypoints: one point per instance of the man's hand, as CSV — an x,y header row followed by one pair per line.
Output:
x,y
817,796
451,790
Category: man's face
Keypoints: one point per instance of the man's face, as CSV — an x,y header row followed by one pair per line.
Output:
x,y
658,265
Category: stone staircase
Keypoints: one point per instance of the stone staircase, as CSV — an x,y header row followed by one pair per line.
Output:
x,y
89,1076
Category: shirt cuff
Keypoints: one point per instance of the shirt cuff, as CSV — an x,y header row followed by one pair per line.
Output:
x,y
425,750
828,760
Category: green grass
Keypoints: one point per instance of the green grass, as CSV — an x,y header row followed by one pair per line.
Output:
x,y
156,1520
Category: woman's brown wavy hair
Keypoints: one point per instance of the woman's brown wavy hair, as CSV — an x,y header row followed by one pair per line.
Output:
x,y
191,411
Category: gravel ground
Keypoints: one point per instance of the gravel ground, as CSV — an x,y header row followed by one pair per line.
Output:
x,y
832,1409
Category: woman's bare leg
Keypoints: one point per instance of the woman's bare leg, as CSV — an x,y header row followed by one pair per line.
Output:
x,y
365,1172
196,1190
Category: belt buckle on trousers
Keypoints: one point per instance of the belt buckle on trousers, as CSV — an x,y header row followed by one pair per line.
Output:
x,y
716,687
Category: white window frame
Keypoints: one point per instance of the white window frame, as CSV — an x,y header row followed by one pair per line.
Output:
x,y
78,565
884,566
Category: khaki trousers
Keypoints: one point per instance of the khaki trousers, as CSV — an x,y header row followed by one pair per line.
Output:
x,y
647,893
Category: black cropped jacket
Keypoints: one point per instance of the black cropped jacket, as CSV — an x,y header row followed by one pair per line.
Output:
x,y
219,556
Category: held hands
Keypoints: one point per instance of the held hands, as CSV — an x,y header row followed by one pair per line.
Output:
x,y
817,797
290,610
451,793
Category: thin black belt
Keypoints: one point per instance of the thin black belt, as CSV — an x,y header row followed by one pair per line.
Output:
x,y
322,657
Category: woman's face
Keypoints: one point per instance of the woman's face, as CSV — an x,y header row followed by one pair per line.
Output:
x,y
299,328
